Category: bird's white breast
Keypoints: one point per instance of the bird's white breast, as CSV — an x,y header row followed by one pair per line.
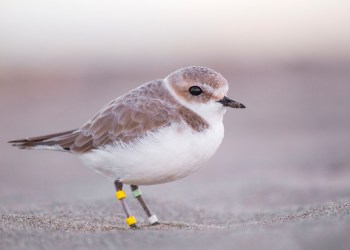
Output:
x,y
167,155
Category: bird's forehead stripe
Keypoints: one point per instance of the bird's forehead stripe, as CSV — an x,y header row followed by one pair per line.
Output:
x,y
223,89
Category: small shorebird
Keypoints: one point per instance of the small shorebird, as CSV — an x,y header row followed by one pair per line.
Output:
x,y
159,132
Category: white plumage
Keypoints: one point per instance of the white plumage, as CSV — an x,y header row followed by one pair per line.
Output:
x,y
167,155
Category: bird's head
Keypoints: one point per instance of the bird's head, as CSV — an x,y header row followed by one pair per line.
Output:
x,y
201,89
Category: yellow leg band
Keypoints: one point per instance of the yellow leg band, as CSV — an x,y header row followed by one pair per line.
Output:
x,y
130,220
120,194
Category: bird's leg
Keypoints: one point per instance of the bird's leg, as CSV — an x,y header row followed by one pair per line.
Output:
x,y
121,196
136,192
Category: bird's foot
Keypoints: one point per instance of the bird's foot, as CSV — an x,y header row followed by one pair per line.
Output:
x,y
134,227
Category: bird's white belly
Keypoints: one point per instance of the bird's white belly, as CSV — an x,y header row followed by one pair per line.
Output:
x,y
167,155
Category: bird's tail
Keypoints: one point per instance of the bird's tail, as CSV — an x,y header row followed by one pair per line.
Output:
x,y
58,141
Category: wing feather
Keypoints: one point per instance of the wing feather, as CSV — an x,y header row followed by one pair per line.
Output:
x,y
129,118
126,119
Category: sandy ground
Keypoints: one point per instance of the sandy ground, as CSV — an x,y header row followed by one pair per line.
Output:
x,y
281,179
82,225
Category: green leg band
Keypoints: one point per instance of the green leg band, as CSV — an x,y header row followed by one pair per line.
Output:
x,y
136,193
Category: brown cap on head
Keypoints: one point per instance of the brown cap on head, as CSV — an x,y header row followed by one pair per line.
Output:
x,y
198,74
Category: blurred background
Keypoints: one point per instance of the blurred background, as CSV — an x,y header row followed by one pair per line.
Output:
x,y
287,61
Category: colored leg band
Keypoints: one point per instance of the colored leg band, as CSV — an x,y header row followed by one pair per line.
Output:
x,y
120,194
152,219
130,220
136,193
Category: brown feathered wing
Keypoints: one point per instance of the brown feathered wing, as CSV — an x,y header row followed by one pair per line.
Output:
x,y
125,119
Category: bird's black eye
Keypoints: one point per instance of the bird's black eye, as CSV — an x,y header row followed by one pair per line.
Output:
x,y
195,90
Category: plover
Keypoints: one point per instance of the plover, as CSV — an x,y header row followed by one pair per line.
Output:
x,y
159,132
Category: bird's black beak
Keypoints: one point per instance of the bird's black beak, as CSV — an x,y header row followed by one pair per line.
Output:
x,y
227,102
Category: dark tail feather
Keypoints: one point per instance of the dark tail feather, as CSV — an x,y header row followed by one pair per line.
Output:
x,y
58,141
